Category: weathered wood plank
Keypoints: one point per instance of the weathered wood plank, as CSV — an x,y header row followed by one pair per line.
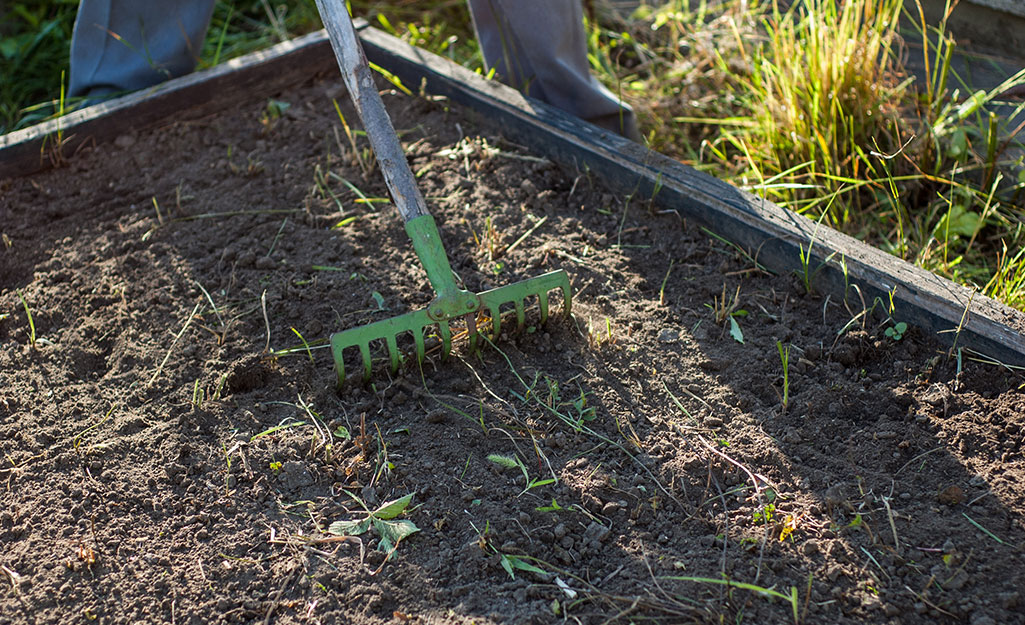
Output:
x,y
772,234
256,75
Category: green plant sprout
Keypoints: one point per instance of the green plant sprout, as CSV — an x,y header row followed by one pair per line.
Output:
x,y
382,520
510,563
897,331
306,345
514,462
725,308
784,358
227,470
553,507
31,323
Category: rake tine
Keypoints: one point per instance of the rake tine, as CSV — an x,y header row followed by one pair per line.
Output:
x,y
418,336
364,350
520,314
446,338
393,352
567,300
496,320
542,300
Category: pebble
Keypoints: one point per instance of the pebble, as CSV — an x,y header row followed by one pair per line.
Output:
x,y
712,422
811,547
560,531
264,263
610,508
951,495
598,532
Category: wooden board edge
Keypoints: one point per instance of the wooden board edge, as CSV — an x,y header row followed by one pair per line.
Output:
x,y
843,267
773,235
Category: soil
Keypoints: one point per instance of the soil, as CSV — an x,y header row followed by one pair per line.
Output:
x,y
163,442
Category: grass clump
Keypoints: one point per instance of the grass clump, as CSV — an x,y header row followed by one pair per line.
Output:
x,y
812,106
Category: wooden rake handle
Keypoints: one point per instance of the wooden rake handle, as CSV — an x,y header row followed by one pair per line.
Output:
x,y
360,82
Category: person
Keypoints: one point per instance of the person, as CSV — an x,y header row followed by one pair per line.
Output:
x,y
536,46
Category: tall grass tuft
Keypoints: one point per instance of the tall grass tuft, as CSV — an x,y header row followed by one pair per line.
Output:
x,y
811,106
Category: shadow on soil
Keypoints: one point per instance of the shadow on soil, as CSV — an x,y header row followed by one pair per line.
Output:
x,y
159,465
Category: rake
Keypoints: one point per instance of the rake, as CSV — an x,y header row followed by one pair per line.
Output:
x,y
451,302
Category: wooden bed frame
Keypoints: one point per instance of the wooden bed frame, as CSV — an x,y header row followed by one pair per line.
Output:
x,y
774,236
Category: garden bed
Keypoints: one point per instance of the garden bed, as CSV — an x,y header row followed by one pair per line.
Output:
x,y
162,462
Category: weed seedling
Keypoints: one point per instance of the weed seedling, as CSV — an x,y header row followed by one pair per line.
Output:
x,y
227,471
726,308
509,562
382,520
31,323
305,344
198,394
784,357
896,331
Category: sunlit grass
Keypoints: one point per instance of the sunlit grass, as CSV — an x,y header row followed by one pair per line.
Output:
x,y
811,107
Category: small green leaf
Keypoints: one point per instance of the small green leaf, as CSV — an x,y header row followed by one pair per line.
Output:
x,y
394,531
552,508
735,331
349,528
392,509
958,144
523,565
276,107
379,299
958,222
507,565
344,222
342,432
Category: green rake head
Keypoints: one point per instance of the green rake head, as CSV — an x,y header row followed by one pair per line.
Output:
x,y
451,303
419,324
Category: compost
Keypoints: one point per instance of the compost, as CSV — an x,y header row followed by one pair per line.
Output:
x,y
700,441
